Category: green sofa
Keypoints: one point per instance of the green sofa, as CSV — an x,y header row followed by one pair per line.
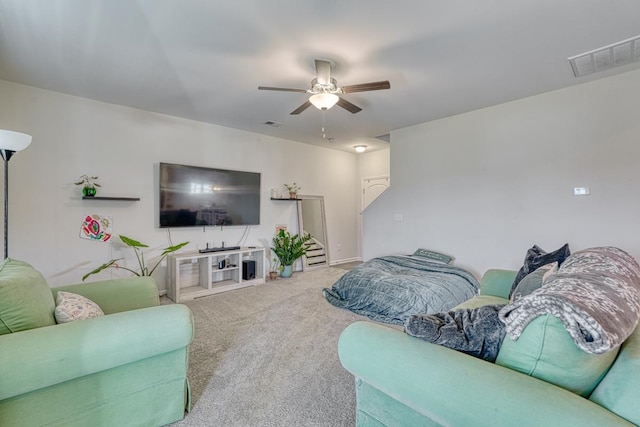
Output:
x,y
405,381
126,368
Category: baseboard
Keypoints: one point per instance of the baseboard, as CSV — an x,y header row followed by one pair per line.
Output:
x,y
346,260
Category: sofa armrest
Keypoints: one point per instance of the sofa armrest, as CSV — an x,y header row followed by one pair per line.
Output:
x,y
116,295
38,358
451,388
497,282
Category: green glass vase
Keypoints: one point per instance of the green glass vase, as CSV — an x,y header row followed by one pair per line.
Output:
x,y
89,191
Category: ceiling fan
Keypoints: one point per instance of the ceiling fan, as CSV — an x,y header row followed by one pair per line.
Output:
x,y
325,90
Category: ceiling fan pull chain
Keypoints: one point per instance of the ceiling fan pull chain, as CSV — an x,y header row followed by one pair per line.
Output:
x,y
324,135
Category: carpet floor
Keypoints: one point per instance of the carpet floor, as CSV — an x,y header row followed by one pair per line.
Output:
x,y
267,356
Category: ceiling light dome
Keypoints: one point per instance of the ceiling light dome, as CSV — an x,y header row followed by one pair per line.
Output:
x,y
324,100
360,148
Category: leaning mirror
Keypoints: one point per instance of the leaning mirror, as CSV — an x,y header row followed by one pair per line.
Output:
x,y
311,219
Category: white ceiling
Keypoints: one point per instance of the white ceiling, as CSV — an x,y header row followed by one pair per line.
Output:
x,y
204,59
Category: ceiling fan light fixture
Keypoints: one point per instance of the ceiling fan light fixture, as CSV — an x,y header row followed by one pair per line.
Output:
x,y
324,101
360,148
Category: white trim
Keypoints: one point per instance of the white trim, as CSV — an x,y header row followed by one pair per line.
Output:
x,y
345,261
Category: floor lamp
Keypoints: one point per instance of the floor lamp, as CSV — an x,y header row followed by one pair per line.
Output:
x,y
10,142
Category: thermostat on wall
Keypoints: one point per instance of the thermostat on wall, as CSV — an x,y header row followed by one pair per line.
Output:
x,y
581,191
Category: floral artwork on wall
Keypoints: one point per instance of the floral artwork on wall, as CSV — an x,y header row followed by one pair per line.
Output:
x,y
96,227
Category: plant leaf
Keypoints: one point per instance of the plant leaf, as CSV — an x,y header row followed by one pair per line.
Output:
x,y
174,248
102,267
132,243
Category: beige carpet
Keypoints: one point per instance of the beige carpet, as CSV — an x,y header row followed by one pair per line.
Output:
x,y
267,356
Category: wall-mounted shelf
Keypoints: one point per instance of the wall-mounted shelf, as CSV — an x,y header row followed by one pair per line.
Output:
x,y
283,198
124,199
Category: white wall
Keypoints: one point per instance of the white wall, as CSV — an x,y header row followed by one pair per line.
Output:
x,y
123,146
375,163
486,185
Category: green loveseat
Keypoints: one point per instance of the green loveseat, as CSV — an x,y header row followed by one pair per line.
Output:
x,y
126,368
405,381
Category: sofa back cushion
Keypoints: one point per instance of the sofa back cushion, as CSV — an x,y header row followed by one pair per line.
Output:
x,y
619,391
26,301
546,351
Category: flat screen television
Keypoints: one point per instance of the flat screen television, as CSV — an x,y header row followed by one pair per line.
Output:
x,y
194,196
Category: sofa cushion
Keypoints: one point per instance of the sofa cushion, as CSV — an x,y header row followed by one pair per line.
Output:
x,y
71,307
546,351
26,301
481,300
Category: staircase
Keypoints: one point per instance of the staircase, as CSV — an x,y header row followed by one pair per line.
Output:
x,y
316,255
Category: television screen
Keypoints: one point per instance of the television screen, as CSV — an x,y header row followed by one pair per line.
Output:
x,y
193,196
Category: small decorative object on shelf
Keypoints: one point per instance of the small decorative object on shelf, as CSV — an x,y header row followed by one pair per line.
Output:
x,y
88,185
292,189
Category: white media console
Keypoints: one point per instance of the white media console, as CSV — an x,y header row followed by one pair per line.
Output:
x,y
195,274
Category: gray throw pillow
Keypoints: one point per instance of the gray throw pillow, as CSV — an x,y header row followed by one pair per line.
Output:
x,y
533,281
535,258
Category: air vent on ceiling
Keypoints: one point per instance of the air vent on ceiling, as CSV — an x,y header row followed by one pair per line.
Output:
x,y
605,58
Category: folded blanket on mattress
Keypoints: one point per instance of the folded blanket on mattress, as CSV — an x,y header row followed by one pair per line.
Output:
x,y
596,295
477,332
390,289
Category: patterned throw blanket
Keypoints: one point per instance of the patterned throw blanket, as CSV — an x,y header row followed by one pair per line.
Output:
x,y
596,295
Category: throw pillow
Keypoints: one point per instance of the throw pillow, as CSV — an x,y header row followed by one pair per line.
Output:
x,y
476,331
533,281
535,258
26,301
71,307
433,256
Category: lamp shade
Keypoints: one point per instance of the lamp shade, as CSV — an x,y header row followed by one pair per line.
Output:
x,y
14,141
324,101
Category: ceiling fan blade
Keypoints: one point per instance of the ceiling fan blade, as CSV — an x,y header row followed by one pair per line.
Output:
x,y
364,87
323,71
301,108
284,89
352,108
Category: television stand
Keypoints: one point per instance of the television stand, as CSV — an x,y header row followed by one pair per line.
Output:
x,y
220,249
197,274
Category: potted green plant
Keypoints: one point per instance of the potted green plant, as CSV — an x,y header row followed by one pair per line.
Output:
x,y
292,189
288,249
89,185
137,248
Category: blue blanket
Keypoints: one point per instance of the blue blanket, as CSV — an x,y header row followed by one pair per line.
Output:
x,y
390,289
